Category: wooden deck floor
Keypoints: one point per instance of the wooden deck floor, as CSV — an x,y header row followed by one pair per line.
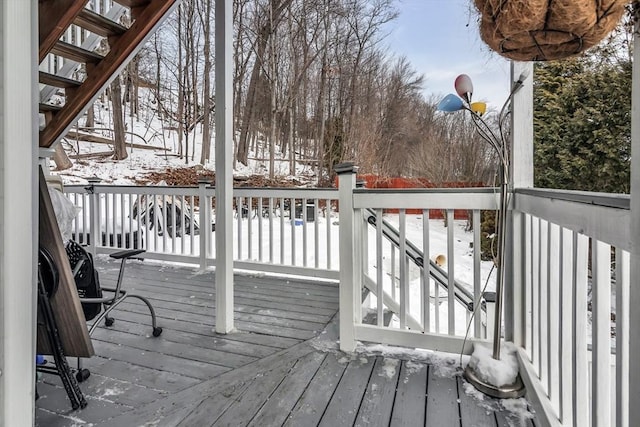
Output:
x,y
281,368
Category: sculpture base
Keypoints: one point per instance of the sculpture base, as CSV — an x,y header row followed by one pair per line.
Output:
x,y
507,391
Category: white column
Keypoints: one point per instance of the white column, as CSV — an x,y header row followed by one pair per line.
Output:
x,y
634,301
18,210
522,176
224,166
522,126
350,271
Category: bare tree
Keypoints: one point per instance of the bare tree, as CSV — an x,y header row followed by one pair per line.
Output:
x,y
312,79
205,20
266,24
119,143
61,159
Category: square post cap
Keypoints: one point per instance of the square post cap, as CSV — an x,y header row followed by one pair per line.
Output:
x,y
346,167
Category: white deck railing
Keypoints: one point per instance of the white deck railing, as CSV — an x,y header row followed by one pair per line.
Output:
x,y
569,260
568,265
430,308
176,224
572,263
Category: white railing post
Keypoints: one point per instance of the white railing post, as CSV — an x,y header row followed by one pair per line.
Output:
x,y
349,271
95,231
490,304
203,218
363,238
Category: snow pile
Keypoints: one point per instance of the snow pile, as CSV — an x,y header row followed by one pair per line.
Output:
x,y
495,372
516,411
519,409
389,367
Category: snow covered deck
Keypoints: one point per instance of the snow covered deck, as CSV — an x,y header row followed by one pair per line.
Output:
x,y
283,366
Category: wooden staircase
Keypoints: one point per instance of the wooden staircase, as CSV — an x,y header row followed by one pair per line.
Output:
x,y
95,30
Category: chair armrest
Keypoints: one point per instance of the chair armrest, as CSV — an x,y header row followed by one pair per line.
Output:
x,y
127,254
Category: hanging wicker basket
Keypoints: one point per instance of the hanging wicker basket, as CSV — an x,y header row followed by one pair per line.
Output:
x,y
542,30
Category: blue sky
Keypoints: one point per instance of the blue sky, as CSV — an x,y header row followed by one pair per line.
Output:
x,y
441,40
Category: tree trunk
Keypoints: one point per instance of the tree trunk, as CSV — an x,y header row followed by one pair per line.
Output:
x,y
61,158
91,117
119,143
242,153
277,7
292,150
206,98
180,113
274,88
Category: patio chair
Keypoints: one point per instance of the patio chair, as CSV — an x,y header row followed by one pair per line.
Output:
x,y
91,293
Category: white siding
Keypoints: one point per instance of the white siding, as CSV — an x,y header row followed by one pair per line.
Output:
x,y
634,301
18,220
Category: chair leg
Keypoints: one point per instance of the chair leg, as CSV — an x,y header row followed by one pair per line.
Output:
x,y
157,331
106,312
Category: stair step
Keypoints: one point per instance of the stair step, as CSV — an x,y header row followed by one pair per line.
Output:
x,y
99,24
133,3
75,53
57,81
48,108
147,14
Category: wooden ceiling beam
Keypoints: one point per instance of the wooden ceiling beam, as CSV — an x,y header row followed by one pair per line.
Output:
x,y
103,72
55,16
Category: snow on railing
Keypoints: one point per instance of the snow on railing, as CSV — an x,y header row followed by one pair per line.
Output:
x,y
571,259
292,231
412,301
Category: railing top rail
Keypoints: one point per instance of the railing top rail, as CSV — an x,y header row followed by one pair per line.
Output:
x,y
131,189
288,188
589,215
298,193
240,191
110,187
610,200
462,190
426,198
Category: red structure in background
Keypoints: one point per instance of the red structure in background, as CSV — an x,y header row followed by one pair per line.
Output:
x,y
374,181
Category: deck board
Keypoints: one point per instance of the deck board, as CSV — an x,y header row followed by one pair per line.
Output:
x,y
345,402
375,410
282,367
311,405
243,409
135,374
205,330
410,400
471,413
282,401
442,405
